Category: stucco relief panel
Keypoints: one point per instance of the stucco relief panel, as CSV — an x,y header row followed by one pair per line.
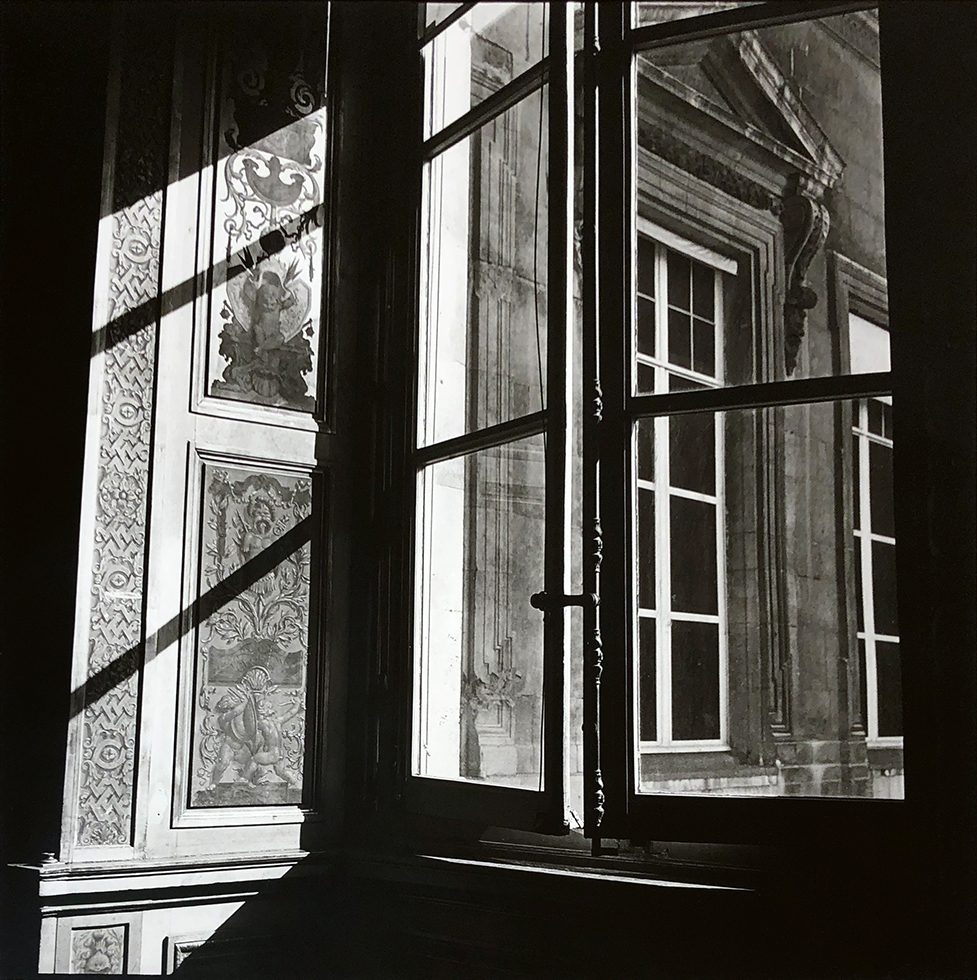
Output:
x,y
248,743
269,211
99,950
109,719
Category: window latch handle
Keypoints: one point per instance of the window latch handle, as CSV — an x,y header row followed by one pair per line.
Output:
x,y
544,601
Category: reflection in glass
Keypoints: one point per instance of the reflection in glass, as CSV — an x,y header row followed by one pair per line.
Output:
x,y
482,350
695,680
873,528
480,53
478,643
750,677
434,13
732,130
654,13
671,340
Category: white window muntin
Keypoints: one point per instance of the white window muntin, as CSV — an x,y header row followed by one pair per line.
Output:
x,y
864,536
663,614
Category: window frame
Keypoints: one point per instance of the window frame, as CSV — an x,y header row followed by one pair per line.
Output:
x,y
542,811
629,814
788,820
663,614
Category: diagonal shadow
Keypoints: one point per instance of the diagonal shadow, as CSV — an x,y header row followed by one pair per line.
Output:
x,y
237,264
218,596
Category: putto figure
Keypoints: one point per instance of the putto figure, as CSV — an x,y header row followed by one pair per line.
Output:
x,y
262,337
251,733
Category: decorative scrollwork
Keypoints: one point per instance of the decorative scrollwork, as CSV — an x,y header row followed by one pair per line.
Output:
x,y
597,402
597,541
100,950
595,661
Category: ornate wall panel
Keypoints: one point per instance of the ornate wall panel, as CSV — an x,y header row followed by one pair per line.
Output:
x,y
268,210
127,338
100,950
248,743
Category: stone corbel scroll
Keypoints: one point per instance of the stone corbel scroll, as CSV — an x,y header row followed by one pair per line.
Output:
x,y
806,222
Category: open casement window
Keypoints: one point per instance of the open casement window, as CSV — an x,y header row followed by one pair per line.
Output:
x,y
729,652
488,467
732,502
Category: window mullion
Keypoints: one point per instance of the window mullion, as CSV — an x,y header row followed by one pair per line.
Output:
x,y
867,597
559,411
663,572
720,464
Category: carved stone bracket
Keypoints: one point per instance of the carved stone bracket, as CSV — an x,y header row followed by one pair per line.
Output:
x,y
806,222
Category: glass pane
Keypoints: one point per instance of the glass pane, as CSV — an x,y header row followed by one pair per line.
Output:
x,y
434,13
676,382
646,549
646,449
693,555
646,379
478,643
748,692
646,266
735,129
647,673
875,424
868,347
679,339
653,13
679,280
884,588
646,326
695,681
704,347
880,483
480,53
703,291
692,452
482,351
862,684
889,688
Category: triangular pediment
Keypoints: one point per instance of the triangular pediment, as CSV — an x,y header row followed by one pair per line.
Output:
x,y
730,89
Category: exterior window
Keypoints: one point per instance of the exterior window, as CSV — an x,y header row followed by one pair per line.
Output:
x,y
875,545
680,575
